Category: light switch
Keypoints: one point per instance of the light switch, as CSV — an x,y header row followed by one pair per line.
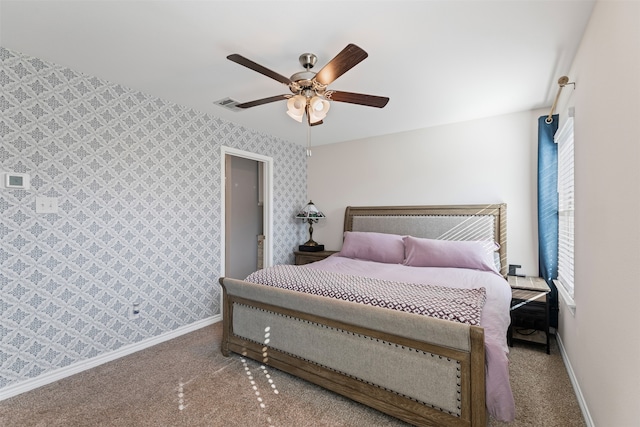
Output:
x,y
46,204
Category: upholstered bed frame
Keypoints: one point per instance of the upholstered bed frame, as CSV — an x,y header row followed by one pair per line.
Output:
x,y
423,370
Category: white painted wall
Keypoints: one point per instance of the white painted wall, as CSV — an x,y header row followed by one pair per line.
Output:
x,y
491,160
494,160
601,341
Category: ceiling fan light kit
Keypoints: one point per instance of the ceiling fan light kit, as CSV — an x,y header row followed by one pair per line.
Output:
x,y
319,105
296,106
309,89
317,109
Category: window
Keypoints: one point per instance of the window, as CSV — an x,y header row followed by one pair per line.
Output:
x,y
565,283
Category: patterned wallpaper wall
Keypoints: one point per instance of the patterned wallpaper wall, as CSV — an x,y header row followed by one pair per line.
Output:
x,y
137,181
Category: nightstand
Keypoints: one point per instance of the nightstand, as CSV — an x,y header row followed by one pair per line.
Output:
x,y
307,257
529,310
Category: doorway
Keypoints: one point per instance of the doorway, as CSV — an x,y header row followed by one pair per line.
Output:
x,y
246,212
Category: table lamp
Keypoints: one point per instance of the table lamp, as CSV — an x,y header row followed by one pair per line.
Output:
x,y
310,214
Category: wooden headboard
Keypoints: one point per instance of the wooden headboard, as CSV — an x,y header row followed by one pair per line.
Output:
x,y
455,222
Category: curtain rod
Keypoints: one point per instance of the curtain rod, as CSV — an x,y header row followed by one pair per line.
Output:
x,y
562,82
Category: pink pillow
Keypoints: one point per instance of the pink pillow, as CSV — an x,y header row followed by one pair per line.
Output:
x,y
378,247
476,255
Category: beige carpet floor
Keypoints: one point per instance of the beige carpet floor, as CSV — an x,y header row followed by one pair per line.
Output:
x,y
187,382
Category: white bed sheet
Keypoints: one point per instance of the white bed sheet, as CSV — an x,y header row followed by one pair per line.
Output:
x,y
495,314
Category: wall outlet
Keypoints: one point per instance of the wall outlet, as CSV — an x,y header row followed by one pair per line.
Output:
x,y
134,311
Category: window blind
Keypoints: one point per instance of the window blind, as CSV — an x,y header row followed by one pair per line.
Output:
x,y
564,139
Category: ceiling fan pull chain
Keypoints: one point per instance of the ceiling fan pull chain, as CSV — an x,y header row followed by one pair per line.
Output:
x,y
308,140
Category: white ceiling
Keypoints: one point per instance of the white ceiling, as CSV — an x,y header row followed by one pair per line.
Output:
x,y
438,61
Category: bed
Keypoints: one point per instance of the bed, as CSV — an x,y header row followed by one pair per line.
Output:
x,y
446,368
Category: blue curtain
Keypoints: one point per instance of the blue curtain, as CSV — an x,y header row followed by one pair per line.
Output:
x,y
548,208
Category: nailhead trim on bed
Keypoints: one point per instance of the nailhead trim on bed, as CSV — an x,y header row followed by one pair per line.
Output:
x,y
409,349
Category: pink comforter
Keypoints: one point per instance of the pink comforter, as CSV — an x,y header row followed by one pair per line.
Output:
x,y
495,314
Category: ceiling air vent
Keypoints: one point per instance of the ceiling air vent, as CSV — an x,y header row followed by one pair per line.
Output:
x,y
228,103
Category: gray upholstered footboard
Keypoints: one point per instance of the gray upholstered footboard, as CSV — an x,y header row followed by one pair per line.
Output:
x,y
423,370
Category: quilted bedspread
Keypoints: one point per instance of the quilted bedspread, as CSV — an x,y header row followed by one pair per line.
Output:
x,y
485,297
460,305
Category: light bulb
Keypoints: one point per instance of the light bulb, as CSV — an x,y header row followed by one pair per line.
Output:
x,y
295,107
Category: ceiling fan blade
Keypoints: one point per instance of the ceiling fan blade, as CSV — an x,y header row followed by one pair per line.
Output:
x,y
357,98
348,58
319,122
263,101
239,59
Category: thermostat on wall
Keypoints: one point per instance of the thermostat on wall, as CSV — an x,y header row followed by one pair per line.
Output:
x,y
16,180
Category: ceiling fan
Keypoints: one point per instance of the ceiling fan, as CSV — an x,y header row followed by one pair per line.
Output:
x,y
309,92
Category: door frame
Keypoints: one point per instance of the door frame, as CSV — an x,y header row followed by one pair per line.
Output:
x,y
267,189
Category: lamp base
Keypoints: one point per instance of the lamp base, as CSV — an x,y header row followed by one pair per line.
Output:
x,y
316,248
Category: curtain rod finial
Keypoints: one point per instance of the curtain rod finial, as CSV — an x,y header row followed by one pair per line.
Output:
x,y
564,80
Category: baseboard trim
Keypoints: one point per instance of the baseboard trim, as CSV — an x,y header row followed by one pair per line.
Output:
x,y
574,382
58,374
